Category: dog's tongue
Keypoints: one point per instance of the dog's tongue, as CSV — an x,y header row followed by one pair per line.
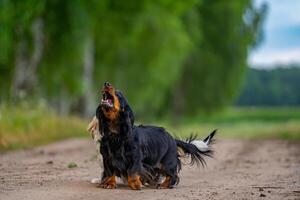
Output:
x,y
109,101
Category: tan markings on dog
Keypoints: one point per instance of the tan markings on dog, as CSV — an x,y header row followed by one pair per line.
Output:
x,y
109,183
166,183
134,182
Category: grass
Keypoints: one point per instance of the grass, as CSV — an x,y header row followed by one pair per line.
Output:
x,y
247,130
247,123
24,126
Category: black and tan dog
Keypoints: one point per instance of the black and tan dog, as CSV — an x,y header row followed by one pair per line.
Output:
x,y
142,154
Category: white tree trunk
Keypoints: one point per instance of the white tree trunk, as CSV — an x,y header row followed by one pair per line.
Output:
x,y
25,73
88,69
21,62
37,53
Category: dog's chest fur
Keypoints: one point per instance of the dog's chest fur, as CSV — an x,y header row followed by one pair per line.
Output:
x,y
114,126
114,148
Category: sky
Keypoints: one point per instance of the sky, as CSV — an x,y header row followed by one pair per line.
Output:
x,y
281,43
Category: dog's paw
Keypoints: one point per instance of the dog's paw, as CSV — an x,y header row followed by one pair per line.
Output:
x,y
134,182
164,187
109,183
166,184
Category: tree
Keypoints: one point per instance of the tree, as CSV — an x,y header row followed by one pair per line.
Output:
x,y
143,52
222,33
166,56
275,87
23,33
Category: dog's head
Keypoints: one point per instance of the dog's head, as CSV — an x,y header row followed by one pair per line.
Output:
x,y
110,103
109,100
113,103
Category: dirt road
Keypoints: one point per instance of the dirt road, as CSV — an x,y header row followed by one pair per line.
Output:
x,y
241,169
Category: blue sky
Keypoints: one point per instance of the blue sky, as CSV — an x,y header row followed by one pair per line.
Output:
x,y
281,44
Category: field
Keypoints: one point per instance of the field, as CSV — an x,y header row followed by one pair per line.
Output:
x,y
246,123
25,127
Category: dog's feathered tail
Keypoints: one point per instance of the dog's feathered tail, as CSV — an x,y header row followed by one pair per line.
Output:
x,y
197,149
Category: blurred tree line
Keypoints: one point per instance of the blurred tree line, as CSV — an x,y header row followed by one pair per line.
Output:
x,y
275,87
168,57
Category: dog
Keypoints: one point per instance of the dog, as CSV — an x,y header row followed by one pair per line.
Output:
x,y
142,154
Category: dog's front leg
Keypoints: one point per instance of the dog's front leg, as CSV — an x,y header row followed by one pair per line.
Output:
x,y
134,179
134,182
133,153
109,182
108,176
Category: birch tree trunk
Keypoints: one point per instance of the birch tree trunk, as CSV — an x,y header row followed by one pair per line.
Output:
x,y
19,77
37,53
88,69
25,73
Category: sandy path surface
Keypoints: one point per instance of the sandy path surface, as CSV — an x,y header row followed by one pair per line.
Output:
x,y
241,169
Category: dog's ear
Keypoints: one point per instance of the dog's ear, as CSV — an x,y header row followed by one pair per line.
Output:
x,y
122,100
98,112
99,119
124,106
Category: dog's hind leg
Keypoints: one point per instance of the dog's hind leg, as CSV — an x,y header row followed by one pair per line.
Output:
x,y
170,169
169,182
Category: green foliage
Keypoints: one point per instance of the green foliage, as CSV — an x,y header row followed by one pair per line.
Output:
x,y
16,18
151,50
276,87
145,55
214,68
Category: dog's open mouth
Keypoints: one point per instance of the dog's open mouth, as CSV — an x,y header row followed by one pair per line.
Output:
x,y
107,100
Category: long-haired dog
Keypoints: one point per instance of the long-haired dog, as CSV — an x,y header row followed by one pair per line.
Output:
x,y
142,154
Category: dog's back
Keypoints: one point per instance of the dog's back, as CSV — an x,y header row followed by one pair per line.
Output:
x,y
155,143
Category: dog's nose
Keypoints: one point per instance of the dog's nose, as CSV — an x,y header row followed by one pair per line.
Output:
x,y
107,84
